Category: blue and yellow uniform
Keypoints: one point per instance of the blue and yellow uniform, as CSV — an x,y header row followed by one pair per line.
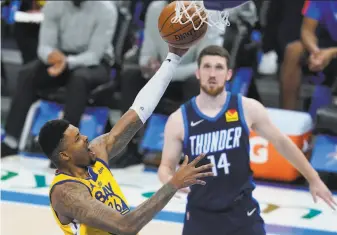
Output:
x,y
103,187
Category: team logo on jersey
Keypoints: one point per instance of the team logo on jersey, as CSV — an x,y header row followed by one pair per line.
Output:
x,y
107,195
232,115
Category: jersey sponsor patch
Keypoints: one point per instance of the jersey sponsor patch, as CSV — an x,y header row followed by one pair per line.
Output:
x,y
232,115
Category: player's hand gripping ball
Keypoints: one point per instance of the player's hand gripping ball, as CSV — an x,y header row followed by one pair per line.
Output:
x,y
181,35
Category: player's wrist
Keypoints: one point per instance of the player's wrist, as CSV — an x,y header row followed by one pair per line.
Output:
x,y
173,184
172,57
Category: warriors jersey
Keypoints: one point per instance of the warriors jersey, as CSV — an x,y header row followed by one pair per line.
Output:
x,y
225,141
102,186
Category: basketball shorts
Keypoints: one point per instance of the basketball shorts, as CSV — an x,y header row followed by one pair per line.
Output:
x,y
241,218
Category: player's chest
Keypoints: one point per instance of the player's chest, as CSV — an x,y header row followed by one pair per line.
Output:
x,y
105,189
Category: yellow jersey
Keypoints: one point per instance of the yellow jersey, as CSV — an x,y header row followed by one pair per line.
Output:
x,y
102,186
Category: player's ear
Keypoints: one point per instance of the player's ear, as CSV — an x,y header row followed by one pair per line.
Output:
x,y
197,73
229,75
64,156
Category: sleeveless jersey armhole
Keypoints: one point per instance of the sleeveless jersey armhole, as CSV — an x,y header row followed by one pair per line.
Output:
x,y
241,115
103,163
185,121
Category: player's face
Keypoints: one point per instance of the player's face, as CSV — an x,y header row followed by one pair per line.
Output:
x,y
213,74
77,148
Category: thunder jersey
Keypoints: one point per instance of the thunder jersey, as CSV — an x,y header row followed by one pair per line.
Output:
x,y
225,141
103,187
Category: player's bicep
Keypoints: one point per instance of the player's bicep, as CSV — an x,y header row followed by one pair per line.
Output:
x,y
261,123
73,200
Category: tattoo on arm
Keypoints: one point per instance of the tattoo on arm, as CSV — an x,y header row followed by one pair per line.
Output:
x,y
122,133
119,136
74,201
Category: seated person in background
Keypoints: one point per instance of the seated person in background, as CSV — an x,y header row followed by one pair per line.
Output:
x,y
75,51
320,48
282,26
27,33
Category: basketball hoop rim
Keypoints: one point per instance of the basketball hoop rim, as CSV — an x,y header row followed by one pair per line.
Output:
x,y
218,19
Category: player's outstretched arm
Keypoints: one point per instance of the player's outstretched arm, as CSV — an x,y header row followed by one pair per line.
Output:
x,y
109,145
262,124
73,201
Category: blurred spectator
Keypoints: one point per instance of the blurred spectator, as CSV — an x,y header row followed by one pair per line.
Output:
x,y
318,46
282,26
75,51
26,34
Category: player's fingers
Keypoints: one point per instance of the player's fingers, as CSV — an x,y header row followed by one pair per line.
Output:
x,y
185,190
314,196
202,175
197,159
204,167
333,200
201,182
185,161
327,201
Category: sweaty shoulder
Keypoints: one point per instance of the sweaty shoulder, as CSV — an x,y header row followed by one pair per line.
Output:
x,y
252,110
175,124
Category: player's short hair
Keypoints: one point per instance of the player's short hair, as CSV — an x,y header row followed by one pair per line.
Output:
x,y
216,51
50,138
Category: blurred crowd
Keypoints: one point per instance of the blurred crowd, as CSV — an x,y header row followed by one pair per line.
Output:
x,y
75,45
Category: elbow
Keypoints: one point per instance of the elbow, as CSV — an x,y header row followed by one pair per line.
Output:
x,y
127,227
127,230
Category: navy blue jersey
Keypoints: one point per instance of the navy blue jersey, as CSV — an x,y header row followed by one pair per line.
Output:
x,y
225,141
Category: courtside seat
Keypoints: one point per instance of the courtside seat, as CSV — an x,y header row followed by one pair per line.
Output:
x,y
102,95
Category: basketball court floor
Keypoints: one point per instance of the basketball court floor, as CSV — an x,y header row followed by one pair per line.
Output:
x,y
25,205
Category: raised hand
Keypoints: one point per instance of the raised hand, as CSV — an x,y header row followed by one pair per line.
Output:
x,y
177,51
188,174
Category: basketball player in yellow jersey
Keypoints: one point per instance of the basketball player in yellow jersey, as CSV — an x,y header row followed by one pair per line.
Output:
x,y
84,196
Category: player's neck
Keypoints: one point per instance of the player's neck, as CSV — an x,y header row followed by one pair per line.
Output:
x,y
74,171
211,102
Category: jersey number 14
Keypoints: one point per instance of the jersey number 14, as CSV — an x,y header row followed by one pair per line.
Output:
x,y
222,164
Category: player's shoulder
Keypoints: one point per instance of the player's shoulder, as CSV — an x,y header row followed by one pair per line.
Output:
x,y
253,109
175,121
176,117
249,103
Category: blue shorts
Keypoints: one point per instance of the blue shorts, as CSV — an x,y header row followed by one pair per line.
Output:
x,y
241,218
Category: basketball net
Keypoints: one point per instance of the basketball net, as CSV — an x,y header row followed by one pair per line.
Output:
x,y
218,19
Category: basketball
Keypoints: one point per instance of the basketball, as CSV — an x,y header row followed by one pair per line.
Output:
x,y
182,34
